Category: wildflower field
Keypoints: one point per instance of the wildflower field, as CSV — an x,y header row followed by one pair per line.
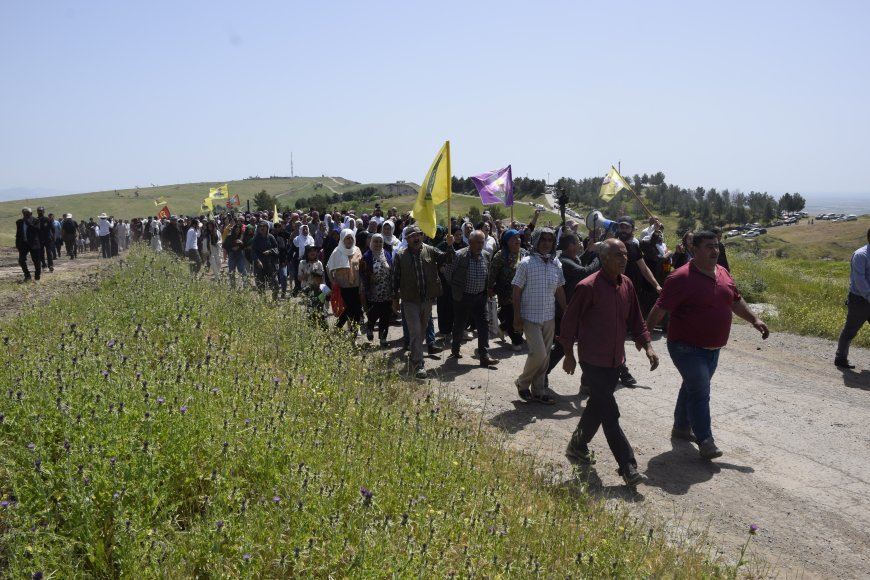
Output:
x,y
809,294
164,426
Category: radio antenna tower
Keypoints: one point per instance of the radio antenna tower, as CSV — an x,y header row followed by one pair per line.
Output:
x,y
291,165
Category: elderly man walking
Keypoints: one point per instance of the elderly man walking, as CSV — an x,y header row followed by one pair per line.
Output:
x,y
537,287
603,308
700,298
467,276
416,284
27,243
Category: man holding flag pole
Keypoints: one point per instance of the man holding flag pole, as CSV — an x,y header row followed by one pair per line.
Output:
x,y
415,268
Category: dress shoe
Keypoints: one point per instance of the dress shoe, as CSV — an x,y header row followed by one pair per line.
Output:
x,y
843,363
485,361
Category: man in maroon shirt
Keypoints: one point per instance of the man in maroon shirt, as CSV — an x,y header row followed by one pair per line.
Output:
x,y
603,307
700,297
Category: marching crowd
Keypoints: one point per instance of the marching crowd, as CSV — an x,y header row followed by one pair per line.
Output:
x,y
561,296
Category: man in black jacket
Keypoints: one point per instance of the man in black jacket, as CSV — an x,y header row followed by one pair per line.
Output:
x,y
173,237
46,239
27,243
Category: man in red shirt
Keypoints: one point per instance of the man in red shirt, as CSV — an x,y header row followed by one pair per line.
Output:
x,y
700,297
604,306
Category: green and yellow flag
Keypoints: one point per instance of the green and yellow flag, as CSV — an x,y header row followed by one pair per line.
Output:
x,y
221,192
612,184
160,201
434,190
206,205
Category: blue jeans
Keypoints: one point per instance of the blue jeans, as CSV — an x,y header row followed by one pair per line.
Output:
x,y
696,366
282,277
236,263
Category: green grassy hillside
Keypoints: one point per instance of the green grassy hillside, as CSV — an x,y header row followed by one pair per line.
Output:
x,y
186,198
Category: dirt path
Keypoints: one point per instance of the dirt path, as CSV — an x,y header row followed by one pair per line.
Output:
x,y
792,426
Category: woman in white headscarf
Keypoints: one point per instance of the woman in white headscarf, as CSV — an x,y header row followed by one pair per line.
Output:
x,y
344,271
377,283
390,241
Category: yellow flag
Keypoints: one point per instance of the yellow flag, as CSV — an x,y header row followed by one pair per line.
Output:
x,y
612,184
160,201
434,190
221,192
275,218
206,205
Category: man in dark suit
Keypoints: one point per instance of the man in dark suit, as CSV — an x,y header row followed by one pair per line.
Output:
x,y
27,243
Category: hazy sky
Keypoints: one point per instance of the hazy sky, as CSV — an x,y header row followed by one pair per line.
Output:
x,y
768,96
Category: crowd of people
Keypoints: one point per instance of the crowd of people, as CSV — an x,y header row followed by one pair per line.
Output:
x,y
559,295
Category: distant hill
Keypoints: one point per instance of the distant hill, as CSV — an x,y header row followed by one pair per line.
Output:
x,y
186,198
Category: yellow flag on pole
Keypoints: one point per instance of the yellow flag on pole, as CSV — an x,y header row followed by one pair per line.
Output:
x,y
612,184
221,192
275,218
160,201
206,205
434,190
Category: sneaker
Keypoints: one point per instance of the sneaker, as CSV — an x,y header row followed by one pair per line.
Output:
x,y
708,449
631,476
626,379
434,349
579,453
516,347
467,336
685,434
843,363
421,374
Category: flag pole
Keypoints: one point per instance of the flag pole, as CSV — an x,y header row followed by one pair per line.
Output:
x,y
449,186
636,196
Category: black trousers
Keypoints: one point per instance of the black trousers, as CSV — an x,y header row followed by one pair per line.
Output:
x,y
46,255
106,246
506,319
471,306
602,411
35,256
379,313
71,247
444,308
195,261
857,314
352,307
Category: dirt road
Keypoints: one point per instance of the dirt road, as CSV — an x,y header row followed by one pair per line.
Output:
x,y
792,426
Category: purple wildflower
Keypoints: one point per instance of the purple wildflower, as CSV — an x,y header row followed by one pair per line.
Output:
x,y
111,343
183,409
220,525
277,499
367,495
160,400
4,504
247,557
31,446
112,461
753,529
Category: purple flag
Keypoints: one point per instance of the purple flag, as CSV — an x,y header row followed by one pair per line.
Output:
x,y
495,186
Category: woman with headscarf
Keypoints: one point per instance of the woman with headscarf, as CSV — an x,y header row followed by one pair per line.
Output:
x,y
211,246
343,266
376,276
501,274
308,266
390,241
297,252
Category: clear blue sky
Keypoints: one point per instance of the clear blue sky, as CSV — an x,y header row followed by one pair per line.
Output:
x,y
768,96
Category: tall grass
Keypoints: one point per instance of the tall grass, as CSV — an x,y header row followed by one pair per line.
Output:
x,y
162,426
809,294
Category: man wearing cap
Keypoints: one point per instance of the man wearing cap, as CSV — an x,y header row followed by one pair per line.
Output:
x,y
636,270
27,243
416,284
69,232
537,287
